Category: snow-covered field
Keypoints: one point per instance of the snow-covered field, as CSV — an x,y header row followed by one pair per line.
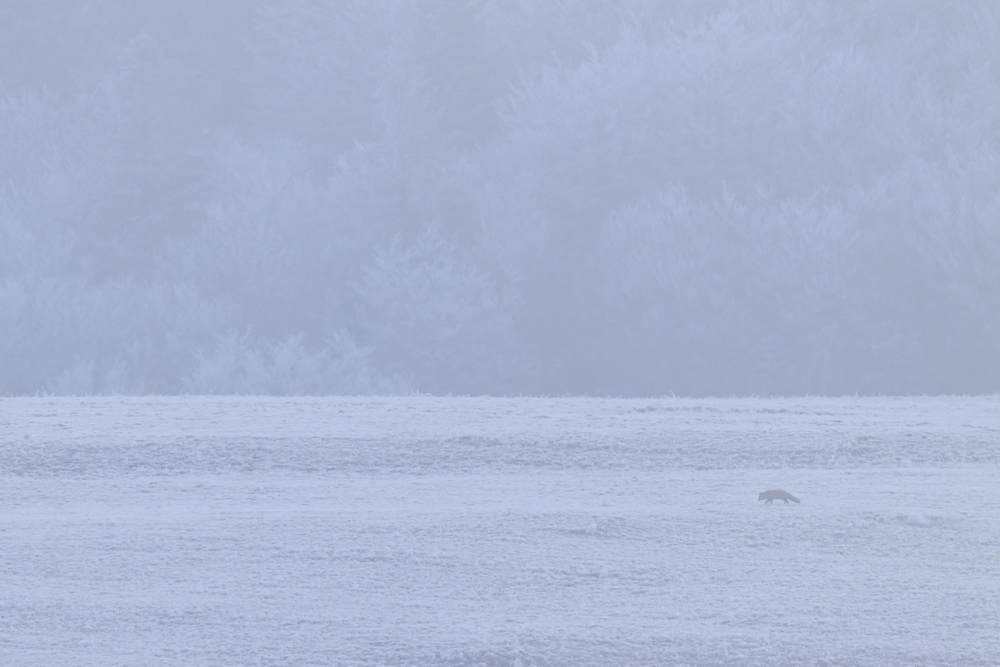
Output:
x,y
468,531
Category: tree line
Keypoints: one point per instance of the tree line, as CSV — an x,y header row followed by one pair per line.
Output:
x,y
492,196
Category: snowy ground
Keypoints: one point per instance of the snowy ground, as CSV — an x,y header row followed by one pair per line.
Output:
x,y
456,531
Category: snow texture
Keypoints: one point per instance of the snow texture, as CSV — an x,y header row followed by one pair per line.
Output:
x,y
484,531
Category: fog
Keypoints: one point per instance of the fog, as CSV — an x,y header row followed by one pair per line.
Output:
x,y
628,197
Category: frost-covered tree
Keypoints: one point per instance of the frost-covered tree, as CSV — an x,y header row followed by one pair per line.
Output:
x,y
428,311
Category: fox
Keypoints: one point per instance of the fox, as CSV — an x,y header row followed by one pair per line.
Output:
x,y
777,494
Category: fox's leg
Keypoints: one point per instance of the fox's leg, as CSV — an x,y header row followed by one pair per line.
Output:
x,y
786,500
768,501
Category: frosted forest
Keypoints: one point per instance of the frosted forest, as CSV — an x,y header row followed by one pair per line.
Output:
x,y
613,197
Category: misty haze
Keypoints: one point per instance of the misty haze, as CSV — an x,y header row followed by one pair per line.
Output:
x,y
486,196
288,287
